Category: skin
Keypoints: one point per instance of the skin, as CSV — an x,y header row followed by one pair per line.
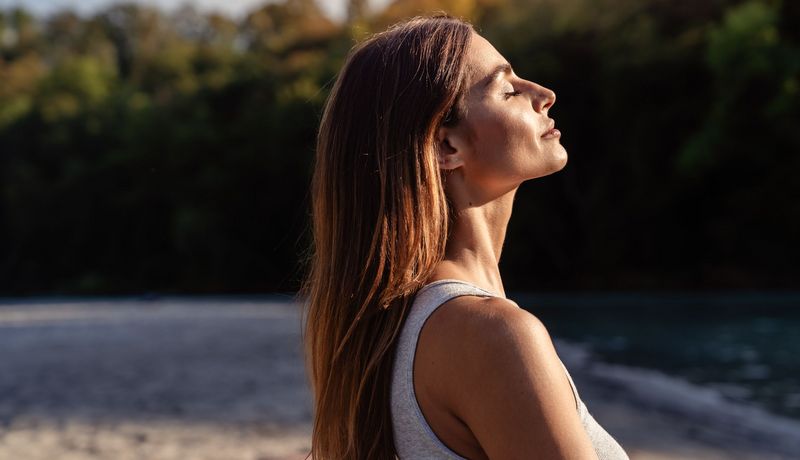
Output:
x,y
485,158
487,377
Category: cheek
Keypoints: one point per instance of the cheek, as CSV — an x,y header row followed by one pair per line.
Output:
x,y
526,126
500,134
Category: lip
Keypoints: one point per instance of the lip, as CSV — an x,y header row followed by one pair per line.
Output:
x,y
551,130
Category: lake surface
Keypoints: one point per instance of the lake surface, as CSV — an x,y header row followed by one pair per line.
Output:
x,y
223,377
744,345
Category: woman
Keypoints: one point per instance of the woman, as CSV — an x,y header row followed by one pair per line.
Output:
x,y
412,348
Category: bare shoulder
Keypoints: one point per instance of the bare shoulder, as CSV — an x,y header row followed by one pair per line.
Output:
x,y
473,311
487,325
505,381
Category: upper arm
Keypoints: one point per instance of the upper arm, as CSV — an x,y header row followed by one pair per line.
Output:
x,y
511,389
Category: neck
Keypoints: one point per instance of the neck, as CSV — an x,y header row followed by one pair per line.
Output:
x,y
476,241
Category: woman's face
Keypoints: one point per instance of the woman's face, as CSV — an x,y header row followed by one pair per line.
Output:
x,y
506,136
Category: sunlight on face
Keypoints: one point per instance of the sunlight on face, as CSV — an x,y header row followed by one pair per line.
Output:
x,y
511,137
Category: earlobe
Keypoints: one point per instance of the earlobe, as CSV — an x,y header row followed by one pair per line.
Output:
x,y
448,156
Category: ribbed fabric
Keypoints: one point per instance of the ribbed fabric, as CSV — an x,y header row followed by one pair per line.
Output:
x,y
414,438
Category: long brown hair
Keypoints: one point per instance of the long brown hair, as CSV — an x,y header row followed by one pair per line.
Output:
x,y
380,222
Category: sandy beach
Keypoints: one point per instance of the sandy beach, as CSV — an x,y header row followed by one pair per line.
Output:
x,y
223,378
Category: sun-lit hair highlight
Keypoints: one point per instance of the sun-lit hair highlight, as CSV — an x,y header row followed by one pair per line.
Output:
x,y
380,223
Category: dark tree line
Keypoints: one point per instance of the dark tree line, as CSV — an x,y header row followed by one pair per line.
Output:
x,y
141,151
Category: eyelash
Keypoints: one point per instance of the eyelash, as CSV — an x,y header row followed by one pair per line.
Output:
x,y
512,93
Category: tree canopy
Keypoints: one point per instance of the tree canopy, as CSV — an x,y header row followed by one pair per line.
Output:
x,y
146,151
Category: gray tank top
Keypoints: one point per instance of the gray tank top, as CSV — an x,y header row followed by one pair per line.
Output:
x,y
414,439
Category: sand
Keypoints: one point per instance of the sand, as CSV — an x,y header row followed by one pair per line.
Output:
x,y
223,378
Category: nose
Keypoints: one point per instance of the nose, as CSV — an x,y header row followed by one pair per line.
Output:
x,y
549,99
542,98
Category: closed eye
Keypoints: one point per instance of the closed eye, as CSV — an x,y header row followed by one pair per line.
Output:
x,y
512,93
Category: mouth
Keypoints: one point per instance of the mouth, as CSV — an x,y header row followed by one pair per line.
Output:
x,y
551,131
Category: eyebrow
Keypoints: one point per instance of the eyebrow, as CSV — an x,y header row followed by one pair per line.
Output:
x,y
502,68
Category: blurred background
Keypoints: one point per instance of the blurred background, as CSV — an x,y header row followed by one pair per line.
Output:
x,y
155,159
169,151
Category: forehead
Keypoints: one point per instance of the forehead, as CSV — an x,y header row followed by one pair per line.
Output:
x,y
482,60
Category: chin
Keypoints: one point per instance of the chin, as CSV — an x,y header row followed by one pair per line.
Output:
x,y
560,157
562,161
556,162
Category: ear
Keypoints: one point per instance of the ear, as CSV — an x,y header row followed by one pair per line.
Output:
x,y
451,148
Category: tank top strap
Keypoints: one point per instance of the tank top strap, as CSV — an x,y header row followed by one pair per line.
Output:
x,y
414,438
433,295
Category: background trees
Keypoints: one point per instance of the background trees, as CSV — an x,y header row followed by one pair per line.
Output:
x,y
148,151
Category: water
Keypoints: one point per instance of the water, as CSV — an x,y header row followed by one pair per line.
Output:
x,y
746,346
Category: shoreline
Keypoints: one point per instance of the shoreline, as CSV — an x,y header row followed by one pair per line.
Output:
x,y
224,379
654,415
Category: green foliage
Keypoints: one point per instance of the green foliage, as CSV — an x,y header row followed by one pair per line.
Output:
x,y
743,45
77,84
140,151
742,50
